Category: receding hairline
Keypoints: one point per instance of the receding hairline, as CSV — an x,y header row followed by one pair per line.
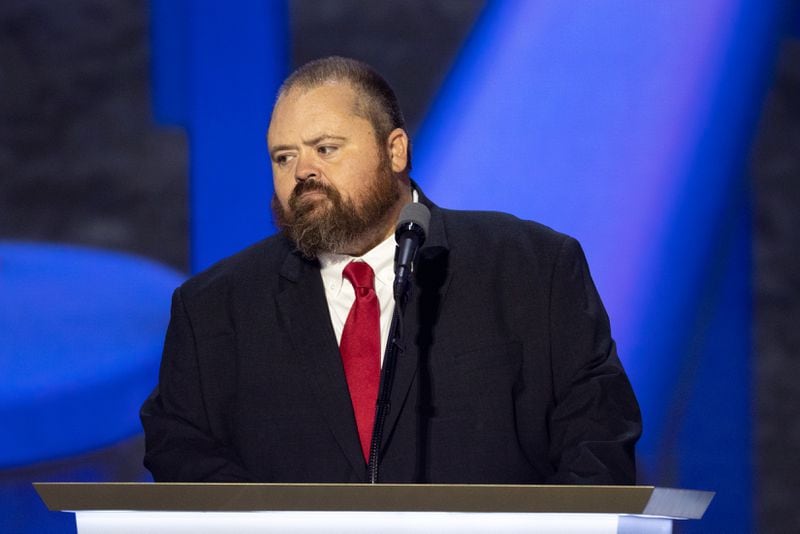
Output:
x,y
359,99
360,96
378,100
300,89
334,69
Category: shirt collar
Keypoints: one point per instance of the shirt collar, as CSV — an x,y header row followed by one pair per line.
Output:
x,y
380,258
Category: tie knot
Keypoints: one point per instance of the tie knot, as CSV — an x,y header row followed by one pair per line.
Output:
x,y
360,274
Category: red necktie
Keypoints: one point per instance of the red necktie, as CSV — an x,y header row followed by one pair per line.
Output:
x,y
360,348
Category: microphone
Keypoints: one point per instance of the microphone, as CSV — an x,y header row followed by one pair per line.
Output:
x,y
410,235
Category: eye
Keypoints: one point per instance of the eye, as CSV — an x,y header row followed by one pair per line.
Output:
x,y
326,150
282,159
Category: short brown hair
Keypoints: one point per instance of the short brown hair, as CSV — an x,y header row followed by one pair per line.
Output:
x,y
376,99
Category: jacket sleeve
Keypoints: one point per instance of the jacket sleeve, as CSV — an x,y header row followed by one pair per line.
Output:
x,y
595,421
180,445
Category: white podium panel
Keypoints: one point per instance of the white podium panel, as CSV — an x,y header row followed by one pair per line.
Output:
x,y
122,522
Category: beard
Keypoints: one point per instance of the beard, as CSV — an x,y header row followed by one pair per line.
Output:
x,y
332,223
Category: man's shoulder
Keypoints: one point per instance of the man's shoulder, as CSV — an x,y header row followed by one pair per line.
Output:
x,y
499,229
255,262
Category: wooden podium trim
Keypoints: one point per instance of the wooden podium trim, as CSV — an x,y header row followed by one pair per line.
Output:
x,y
213,497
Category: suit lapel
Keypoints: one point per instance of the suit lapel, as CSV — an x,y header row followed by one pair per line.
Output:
x,y
304,309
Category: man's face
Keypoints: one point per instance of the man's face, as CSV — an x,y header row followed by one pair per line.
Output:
x,y
334,186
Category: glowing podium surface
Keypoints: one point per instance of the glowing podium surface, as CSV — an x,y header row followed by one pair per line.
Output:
x,y
128,508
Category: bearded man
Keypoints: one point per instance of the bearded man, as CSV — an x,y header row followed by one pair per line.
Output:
x,y
508,372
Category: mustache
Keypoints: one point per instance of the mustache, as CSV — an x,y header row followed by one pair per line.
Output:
x,y
308,186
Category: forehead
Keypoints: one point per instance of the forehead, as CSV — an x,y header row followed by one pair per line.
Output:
x,y
329,107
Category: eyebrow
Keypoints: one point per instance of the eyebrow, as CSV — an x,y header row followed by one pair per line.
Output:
x,y
309,142
322,137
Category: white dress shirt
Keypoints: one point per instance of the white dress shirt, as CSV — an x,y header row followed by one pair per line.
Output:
x,y
340,294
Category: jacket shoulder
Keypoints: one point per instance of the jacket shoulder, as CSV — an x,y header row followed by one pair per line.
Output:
x,y
252,263
498,231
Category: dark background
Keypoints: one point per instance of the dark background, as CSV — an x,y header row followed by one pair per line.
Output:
x,y
82,162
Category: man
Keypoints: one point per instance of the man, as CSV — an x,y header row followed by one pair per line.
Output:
x,y
508,373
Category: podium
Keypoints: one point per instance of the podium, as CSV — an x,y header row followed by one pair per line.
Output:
x,y
136,508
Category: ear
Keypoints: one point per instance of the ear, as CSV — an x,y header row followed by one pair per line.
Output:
x,y
397,147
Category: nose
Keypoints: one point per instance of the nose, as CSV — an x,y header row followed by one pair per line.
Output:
x,y
306,168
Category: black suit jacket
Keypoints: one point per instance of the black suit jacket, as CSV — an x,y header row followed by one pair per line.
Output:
x,y
509,373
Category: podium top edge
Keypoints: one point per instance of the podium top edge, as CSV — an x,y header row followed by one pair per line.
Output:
x,y
475,498
294,485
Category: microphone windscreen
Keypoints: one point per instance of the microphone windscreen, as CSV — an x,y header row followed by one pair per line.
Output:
x,y
416,214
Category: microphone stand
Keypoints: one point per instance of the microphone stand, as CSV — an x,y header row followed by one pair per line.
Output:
x,y
383,404
410,235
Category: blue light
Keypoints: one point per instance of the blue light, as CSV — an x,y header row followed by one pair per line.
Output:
x,y
81,332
